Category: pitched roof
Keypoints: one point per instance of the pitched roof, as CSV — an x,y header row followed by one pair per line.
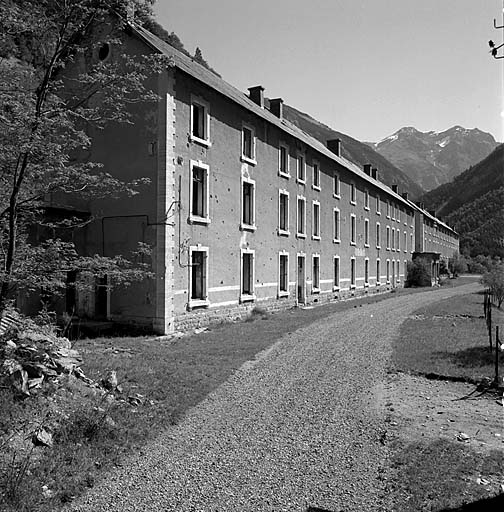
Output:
x,y
207,77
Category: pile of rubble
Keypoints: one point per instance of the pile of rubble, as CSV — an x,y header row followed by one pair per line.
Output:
x,y
31,355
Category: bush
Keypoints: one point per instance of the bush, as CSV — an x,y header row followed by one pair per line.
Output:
x,y
494,280
457,265
418,273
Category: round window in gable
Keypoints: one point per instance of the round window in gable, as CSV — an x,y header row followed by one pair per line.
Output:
x,y
104,52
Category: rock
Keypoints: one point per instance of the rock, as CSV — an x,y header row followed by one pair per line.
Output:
x,y
19,379
502,488
10,366
47,493
35,383
482,481
109,422
109,381
463,437
10,346
42,438
67,359
199,330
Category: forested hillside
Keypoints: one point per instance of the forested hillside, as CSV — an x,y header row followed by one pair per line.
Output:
x,y
473,204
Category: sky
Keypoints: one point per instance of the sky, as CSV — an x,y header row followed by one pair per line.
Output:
x,y
364,67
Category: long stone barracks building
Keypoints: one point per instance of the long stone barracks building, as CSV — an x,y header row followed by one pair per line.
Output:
x,y
244,208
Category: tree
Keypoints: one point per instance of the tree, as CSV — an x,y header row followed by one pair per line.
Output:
x,y
418,273
494,280
47,104
457,265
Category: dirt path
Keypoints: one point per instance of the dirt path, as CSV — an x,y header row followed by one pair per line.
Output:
x,y
300,426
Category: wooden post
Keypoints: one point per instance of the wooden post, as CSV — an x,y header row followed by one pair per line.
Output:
x,y
497,343
485,304
490,326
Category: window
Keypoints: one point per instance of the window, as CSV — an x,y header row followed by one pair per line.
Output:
x,y
388,271
378,235
378,277
198,272
352,273
392,208
248,204
301,217
283,161
336,186
411,242
366,199
316,176
393,239
366,272
247,275
301,168
283,274
283,212
336,273
316,220
200,121
405,242
353,193
398,239
366,232
353,229
388,238
378,205
199,198
316,273
388,209
248,144
336,227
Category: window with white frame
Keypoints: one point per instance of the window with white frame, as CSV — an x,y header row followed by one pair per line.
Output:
x,y
198,276
388,238
405,242
316,220
316,176
283,274
392,208
248,144
200,121
378,270
301,217
336,273
393,239
411,242
336,225
283,160
353,229
247,274
366,232
388,209
336,185
378,237
199,196
388,271
316,272
301,168
366,271
378,205
248,204
353,193
353,270
283,212
366,199
398,239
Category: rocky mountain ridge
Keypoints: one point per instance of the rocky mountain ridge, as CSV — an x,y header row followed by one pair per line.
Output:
x,y
435,157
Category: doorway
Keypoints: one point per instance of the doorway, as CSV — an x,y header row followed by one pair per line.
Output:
x,y
301,279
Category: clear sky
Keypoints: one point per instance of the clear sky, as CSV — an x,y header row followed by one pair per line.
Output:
x,y
364,67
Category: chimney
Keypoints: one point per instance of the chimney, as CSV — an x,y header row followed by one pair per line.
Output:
x,y
334,145
405,196
432,212
420,205
367,169
395,188
374,173
256,94
276,107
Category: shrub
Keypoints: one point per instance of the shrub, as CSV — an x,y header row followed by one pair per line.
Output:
x,y
457,265
418,273
494,280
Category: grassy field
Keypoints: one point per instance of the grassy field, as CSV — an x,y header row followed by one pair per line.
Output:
x,y
449,338
430,471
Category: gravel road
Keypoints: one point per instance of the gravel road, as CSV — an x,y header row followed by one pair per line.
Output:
x,y
299,426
